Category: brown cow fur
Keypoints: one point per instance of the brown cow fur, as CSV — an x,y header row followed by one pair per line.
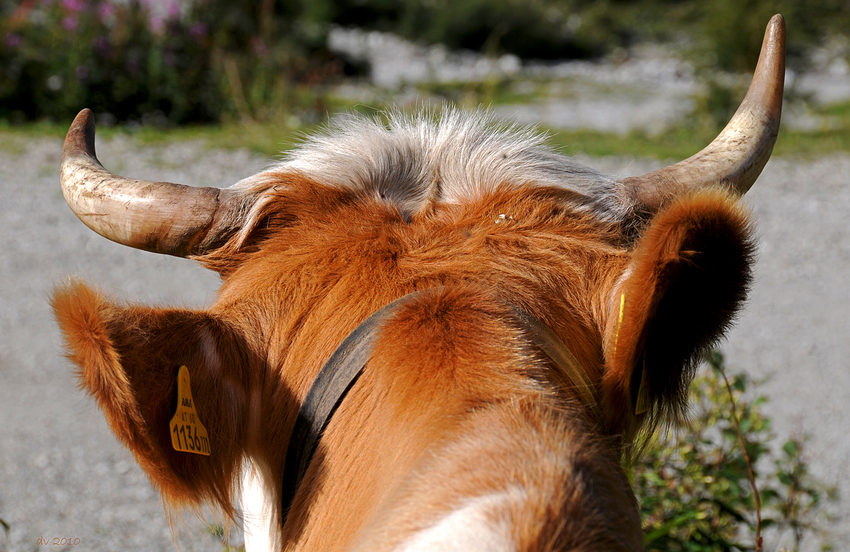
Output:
x,y
689,273
455,402
128,358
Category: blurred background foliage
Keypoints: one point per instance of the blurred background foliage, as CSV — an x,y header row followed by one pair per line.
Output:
x,y
157,62
169,62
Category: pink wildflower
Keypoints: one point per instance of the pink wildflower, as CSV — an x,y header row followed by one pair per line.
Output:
x,y
173,10
198,31
74,5
69,23
13,40
157,24
106,11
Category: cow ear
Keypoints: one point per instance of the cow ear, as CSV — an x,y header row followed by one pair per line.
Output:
x,y
128,359
689,273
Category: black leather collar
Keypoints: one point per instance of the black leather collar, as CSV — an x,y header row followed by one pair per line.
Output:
x,y
329,388
346,364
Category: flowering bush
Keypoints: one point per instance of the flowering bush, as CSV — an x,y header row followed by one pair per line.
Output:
x,y
134,60
199,60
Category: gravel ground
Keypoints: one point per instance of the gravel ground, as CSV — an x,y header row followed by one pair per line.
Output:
x,y
63,474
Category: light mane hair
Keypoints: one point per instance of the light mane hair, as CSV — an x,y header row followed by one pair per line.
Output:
x,y
416,161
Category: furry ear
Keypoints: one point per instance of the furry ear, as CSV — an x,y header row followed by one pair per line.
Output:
x,y
689,273
128,358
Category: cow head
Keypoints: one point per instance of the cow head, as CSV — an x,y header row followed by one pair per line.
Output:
x,y
636,276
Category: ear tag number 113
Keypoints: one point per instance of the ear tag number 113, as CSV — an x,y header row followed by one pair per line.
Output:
x,y
188,434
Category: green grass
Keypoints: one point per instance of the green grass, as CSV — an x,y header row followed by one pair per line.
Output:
x,y
266,139
221,534
491,91
680,143
270,139
676,144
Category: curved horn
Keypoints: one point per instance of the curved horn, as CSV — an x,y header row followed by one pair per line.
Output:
x,y
737,156
155,216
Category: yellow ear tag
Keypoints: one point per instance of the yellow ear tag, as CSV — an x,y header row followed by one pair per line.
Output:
x,y
619,323
642,402
188,434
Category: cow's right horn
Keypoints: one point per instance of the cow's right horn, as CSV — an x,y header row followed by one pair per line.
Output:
x,y
155,216
736,157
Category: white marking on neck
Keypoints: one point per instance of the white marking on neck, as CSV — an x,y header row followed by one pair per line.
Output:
x,y
470,528
259,519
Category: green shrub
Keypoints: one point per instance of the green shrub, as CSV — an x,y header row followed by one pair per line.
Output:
x,y
204,60
194,63
693,485
540,29
62,56
733,29
721,33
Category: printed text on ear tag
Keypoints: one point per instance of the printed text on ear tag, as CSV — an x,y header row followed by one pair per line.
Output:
x,y
188,434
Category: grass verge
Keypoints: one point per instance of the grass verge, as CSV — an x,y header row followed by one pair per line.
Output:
x,y
270,139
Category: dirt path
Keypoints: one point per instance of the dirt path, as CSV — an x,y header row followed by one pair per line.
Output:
x,y
63,474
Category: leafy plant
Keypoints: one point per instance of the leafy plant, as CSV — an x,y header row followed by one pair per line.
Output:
x,y
212,60
6,529
694,485
218,532
168,63
58,57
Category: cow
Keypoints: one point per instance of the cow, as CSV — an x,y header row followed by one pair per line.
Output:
x,y
432,333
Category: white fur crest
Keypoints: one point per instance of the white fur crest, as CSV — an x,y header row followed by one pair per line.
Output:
x,y
414,161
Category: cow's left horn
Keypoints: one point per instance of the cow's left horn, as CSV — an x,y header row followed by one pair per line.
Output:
x,y
739,153
155,216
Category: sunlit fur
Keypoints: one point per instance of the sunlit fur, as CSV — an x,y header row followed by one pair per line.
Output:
x,y
457,416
